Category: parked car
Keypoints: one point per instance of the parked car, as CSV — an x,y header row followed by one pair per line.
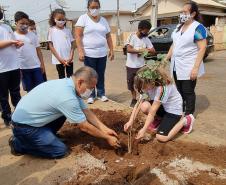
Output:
x,y
161,39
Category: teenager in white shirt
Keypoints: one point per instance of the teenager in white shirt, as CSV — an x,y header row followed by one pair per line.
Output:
x,y
61,43
93,39
137,43
166,103
30,58
186,54
9,70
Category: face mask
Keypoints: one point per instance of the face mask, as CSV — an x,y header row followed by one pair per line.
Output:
x,y
23,28
1,15
143,34
34,31
86,94
94,12
60,23
184,18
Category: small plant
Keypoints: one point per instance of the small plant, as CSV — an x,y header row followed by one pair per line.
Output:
x,y
151,72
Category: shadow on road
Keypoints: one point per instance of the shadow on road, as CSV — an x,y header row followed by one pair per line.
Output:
x,y
202,103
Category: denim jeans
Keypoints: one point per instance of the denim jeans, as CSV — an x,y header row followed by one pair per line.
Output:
x,y
31,78
187,90
9,84
99,65
39,141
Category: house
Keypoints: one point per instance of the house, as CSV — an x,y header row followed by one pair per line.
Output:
x,y
213,16
212,12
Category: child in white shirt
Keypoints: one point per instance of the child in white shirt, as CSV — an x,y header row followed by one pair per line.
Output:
x,y
166,103
61,43
30,57
137,43
9,70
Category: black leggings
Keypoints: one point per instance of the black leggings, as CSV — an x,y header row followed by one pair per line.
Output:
x,y
9,84
61,70
187,90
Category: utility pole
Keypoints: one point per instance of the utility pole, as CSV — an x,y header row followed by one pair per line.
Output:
x,y
118,26
154,13
135,6
3,9
50,8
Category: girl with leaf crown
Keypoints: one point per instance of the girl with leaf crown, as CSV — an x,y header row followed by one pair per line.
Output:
x,y
161,102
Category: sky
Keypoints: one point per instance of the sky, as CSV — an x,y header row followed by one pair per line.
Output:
x,y
39,9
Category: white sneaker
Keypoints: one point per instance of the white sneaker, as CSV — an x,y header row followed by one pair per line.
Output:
x,y
90,101
103,99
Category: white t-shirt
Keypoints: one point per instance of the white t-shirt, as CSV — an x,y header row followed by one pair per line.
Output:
x,y
169,97
61,39
8,56
94,36
28,57
133,61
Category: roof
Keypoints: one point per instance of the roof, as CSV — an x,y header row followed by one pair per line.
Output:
x,y
210,3
175,14
143,7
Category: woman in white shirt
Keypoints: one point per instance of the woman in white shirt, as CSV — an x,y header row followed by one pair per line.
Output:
x,y
93,39
186,53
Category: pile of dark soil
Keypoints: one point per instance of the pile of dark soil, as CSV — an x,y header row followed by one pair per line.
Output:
x,y
124,168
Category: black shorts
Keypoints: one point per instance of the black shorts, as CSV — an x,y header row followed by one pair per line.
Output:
x,y
131,73
167,123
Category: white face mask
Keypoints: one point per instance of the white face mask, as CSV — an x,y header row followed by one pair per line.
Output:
x,y
60,23
185,17
94,12
86,94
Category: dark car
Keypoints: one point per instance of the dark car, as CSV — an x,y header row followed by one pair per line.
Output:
x,y
161,39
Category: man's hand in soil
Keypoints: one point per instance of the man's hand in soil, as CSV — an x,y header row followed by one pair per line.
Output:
x,y
113,141
109,132
140,134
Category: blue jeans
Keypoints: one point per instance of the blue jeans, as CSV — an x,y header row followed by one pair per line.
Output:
x,y
39,141
99,65
31,78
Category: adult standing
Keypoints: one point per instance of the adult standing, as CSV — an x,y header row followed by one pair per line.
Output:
x,y
93,39
186,53
9,70
35,124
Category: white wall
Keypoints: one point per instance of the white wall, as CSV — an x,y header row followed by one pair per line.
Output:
x,y
124,23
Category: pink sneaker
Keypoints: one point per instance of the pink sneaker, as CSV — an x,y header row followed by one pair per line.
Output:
x,y
190,122
155,124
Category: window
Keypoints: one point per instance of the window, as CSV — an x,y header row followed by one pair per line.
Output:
x,y
160,33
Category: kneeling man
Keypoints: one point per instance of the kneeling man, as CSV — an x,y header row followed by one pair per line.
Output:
x,y
43,111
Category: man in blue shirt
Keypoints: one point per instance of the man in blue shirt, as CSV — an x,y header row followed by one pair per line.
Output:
x,y
43,111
